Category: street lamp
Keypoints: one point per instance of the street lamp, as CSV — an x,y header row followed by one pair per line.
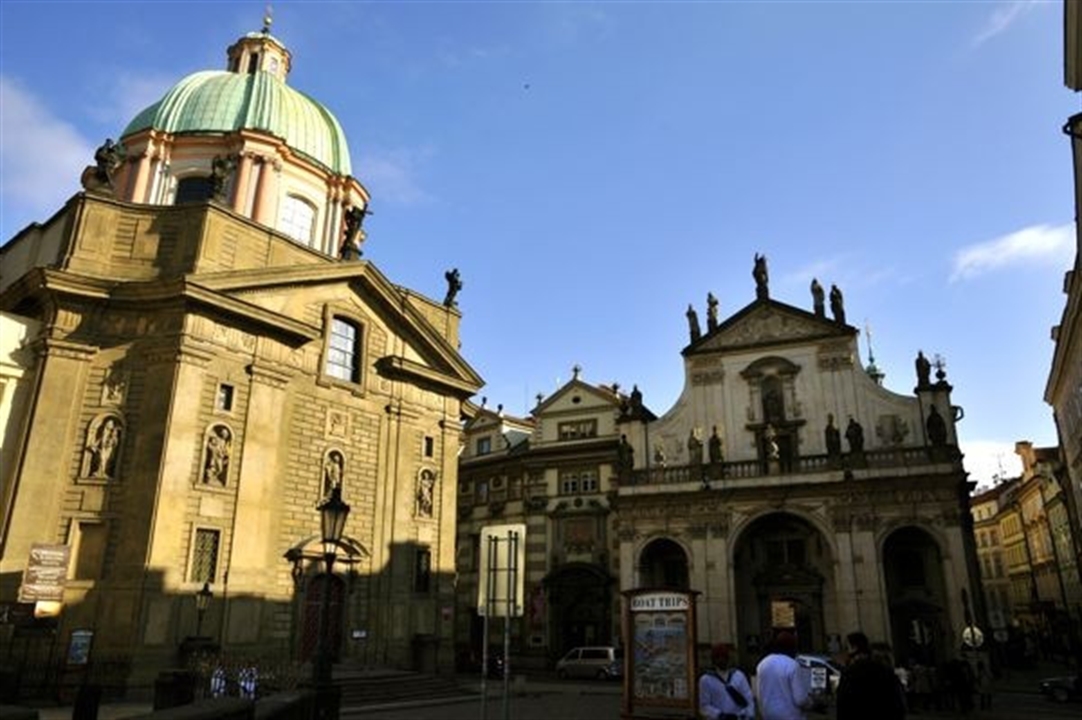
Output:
x,y
332,516
202,602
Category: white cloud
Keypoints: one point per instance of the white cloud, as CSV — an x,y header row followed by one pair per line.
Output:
x,y
987,460
1001,19
41,156
392,176
1034,244
128,93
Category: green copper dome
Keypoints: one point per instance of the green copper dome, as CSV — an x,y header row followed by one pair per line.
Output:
x,y
218,101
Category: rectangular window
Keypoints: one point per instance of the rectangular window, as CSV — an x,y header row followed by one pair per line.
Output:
x,y
482,492
225,397
577,429
484,445
578,480
422,574
343,351
89,541
430,446
205,556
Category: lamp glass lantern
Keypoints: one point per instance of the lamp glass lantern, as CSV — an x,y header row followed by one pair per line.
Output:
x,y
332,515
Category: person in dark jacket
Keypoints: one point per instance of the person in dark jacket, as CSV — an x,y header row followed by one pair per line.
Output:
x,y
868,688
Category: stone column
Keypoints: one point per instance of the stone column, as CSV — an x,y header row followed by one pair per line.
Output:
x,y
254,558
47,452
240,187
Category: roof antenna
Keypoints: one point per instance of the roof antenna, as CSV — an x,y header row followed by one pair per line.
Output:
x,y
268,18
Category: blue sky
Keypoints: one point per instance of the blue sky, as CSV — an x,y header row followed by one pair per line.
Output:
x,y
592,168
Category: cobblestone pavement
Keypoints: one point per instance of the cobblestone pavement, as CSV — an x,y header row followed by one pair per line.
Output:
x,y
543,697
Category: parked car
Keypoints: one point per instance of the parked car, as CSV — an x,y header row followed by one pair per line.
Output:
x,y
823,664
601,662
1063,688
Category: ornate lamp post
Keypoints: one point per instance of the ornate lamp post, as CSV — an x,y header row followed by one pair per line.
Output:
x,y
202,602
332,515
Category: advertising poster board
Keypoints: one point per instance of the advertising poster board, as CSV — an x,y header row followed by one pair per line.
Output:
x,y
659,632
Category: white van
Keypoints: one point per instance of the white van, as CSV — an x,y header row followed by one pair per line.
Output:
x,y
601,662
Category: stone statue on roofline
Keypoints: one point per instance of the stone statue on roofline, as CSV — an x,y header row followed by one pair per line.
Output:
x,y
694,330
711,312
454,285
818,305
222,168
352,233
762,277
108,159
837,305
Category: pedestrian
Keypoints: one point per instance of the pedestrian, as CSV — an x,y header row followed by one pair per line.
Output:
x,y
868,687
784,692
724,691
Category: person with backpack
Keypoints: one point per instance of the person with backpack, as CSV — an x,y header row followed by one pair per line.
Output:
x,y
724,691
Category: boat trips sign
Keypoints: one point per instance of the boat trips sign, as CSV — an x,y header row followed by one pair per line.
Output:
x,y
659,601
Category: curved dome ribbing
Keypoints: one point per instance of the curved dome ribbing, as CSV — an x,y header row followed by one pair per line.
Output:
x,y
221,101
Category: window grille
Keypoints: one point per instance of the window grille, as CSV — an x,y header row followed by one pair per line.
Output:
x,y
205,556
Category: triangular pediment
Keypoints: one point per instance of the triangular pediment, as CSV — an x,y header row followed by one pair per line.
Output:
x,y
768,322
589,399
425,354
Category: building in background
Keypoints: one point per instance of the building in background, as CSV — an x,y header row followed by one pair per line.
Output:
x,y
1064,388
555,472
786,485
211,357
1029,571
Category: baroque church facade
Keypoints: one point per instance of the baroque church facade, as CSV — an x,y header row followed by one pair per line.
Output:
x,y
205,357
786,486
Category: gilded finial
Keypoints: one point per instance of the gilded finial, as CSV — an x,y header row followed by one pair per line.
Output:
x,y
268,18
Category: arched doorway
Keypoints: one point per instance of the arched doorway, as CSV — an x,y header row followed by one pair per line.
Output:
x,y
580,607
663,564
313,601
912,567
781,564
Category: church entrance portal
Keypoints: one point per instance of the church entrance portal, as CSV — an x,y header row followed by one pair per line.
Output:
x,y
781,564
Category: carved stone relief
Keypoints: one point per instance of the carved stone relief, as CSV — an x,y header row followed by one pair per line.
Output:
x,y
114,387
891,429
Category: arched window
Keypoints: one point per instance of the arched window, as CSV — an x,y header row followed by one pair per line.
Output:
x,y
297,219
344,351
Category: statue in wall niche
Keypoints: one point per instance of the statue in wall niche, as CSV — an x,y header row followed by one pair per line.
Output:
x,y
711,312
659,455
693,324
216,456
333,471
937,427
695,448
222,168
425,488
715,451
818,304
833,437
770,443
625,458
837,305
854,434
454,285
102,448
762,277
924,370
